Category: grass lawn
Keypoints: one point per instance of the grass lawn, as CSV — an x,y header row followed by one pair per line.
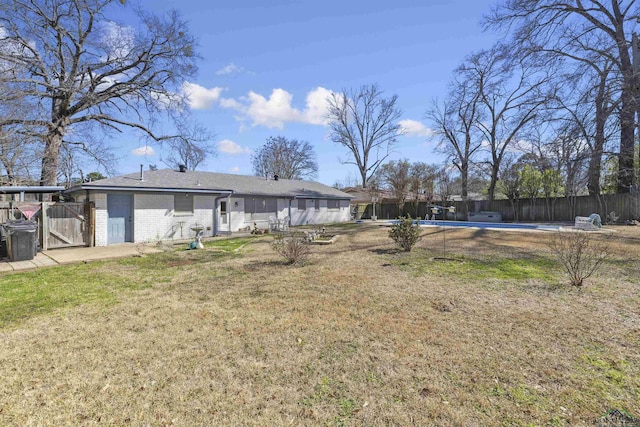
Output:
x,y
362,334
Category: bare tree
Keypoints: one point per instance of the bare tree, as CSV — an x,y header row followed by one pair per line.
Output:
x,y
19,151
79,156
19,157
581,30
73,63
395,176
191,148
365,123
422,183
287,158
455,123
510,184
445,186
511,93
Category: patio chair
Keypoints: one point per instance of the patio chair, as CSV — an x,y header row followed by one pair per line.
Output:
x,y
284,223
273,223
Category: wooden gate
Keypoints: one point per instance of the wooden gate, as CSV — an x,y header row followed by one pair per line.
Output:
x,y
66,224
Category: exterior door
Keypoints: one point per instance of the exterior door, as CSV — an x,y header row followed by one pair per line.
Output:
x,y
224,216
119,218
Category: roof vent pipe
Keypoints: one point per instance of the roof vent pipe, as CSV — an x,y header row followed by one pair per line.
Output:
x,y
182,168
141,173
275,177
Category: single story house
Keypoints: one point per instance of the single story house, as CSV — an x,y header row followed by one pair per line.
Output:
x,y
168,204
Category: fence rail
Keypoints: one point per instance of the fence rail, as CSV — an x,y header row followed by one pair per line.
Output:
x,y
625,206
59,224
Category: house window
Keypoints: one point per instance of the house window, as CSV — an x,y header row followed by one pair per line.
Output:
x,y
256,205
317,203
182,204
302,204
333,204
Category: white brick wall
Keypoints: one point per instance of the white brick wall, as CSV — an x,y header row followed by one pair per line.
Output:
x,y
322,216
100,226
237,213
155,219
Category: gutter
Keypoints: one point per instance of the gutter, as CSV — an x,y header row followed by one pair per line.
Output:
x,y
23,189
152,190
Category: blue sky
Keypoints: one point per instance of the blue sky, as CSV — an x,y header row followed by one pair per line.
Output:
x,y
268,66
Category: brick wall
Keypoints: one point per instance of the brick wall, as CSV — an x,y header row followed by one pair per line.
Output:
x,y
155,219
100,225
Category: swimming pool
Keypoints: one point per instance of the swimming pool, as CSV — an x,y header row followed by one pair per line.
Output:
x,y
477,224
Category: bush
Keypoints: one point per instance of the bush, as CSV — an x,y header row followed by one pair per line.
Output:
x,y
293,247
581,253
405,233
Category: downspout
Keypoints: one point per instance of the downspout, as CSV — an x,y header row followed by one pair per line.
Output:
x,y
290,201
229,212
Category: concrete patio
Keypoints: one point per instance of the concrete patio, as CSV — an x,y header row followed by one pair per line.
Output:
x,y
79,254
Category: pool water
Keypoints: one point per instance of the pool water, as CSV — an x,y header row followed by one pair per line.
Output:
x,y
476,224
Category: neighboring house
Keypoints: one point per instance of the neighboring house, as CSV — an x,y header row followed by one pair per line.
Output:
x,y
170,205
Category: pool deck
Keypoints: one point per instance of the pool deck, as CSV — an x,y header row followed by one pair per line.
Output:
x,y
500,226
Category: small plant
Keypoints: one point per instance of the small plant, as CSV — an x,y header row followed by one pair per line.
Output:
x,y
580,253
293,247
405,233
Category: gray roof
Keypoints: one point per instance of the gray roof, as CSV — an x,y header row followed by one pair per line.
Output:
x,y
169,180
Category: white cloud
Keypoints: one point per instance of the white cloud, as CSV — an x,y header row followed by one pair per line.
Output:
x,y
414,128
272,112
277,110
316,109
143,151
234,169
227,146
231,103
229,69
201,98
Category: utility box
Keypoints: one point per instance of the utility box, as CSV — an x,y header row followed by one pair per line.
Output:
x,y
21,240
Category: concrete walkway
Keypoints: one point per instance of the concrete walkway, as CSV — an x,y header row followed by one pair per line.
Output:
x,y
82,254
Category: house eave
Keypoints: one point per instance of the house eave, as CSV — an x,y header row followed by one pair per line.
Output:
x,y
149,189
30,189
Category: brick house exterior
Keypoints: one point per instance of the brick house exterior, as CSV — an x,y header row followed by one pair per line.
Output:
x,y
166,204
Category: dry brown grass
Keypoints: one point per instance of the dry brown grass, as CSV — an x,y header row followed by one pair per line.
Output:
x,y
354,337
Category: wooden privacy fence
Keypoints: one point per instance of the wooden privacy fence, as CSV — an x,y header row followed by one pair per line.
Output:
x,y
625,206
60,224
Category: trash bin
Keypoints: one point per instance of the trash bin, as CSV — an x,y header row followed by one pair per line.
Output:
x,y
21,239
3,243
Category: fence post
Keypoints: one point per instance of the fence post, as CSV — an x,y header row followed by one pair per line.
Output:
x,y
45,226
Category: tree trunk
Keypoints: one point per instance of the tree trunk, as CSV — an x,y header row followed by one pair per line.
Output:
x,y
627,128
532,214
514,207
492,184
51,156
595,161
628,107
363,174
464,176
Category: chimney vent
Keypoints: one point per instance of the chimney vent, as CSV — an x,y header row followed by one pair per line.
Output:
x,y
141,173
182,168
275,177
